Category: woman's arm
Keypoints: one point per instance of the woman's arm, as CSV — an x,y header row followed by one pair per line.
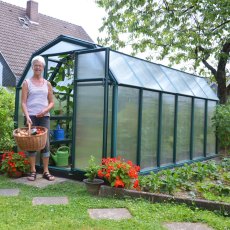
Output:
x,y
23,102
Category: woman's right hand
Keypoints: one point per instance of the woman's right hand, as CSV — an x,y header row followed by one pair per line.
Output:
x,y
28,121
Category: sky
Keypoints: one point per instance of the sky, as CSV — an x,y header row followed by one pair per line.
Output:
x,y
83,13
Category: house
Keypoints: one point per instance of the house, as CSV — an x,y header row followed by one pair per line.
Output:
x,y
22,32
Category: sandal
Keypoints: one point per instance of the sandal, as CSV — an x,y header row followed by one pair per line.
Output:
x,y
32,176
48,176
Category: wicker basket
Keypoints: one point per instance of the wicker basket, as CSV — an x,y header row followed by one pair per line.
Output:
x,y
30,142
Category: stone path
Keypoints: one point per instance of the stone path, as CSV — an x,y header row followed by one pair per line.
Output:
x,y
39,182
103,213
9,192
109,213
187,226
50,200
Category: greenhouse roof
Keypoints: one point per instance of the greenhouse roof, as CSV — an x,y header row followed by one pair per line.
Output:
x,y
134,72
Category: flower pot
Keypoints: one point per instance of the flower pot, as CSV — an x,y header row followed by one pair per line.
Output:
x,y
93,186
16,174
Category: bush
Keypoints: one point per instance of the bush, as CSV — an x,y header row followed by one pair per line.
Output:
x,y
221,122
7,99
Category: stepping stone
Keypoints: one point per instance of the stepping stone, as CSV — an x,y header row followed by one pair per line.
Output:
x,y
49,200
40,182
187,226
9,192
109,213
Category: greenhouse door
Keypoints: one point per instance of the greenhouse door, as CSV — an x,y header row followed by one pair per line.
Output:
x,y
91,106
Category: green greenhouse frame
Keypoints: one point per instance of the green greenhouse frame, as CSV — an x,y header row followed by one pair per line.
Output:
x,y
111,104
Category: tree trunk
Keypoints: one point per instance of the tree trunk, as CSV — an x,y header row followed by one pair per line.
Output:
x,y
222,89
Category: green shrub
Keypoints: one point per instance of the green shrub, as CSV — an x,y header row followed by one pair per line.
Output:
x,y
221,122
7,99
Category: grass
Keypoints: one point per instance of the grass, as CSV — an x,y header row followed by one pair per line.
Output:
x,y
18,212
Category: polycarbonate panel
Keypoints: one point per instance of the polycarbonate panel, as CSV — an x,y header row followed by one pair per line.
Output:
x,y
149,129
211,137
160,77
177,80
167,132
206,88
62,47
121,70
198,137
89,123
142,73
127,122
91,65
192,84
183,128
109,121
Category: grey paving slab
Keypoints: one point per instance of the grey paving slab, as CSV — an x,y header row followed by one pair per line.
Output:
x,y
40,182
187,226
50,200
9,192
109,213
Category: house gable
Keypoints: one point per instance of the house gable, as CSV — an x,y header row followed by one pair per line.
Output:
x,y
20,37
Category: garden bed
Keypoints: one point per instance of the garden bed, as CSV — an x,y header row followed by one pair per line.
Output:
x,y
107,191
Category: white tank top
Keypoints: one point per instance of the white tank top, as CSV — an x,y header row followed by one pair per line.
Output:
x,y
37,98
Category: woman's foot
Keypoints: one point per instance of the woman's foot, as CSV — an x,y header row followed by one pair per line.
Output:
x,y
32,176
48,176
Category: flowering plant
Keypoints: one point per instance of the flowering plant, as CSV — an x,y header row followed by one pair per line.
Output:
x,y
14,164
119,173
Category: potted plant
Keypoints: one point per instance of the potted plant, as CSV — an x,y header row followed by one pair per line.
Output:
x,y
14,164
92,183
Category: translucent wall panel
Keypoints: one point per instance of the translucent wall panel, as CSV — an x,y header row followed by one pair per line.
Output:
x,y
167,132
183,128
127,122
121,70
177,81
193,85
211,137
91,65
142,73
89,123
206,88
160,77
109,121
149,130
198,137
62,47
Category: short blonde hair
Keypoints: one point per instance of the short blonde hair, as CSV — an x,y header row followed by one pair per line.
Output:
x,y
38,58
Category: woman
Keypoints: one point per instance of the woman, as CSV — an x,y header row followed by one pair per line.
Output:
x,y
37,100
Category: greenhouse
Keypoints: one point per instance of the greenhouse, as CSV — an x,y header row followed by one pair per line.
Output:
x,y
111,104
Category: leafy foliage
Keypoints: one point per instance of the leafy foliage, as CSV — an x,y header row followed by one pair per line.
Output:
x,y
6,119
199,177
92,169
221,120
13,163
193,33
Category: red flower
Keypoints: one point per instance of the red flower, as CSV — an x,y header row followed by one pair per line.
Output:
x,y
136,183
12,163
119,184
118,172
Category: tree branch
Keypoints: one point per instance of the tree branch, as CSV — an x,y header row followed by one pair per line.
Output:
x,y
226,22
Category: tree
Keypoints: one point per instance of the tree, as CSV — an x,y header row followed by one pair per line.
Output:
x,y
194,32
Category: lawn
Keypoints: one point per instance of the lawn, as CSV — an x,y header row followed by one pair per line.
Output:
x,y
18,212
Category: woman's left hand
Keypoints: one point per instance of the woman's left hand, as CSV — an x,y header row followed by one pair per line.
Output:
x,y
41,114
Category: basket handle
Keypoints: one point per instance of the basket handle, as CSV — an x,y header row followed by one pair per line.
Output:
x,y
29,130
